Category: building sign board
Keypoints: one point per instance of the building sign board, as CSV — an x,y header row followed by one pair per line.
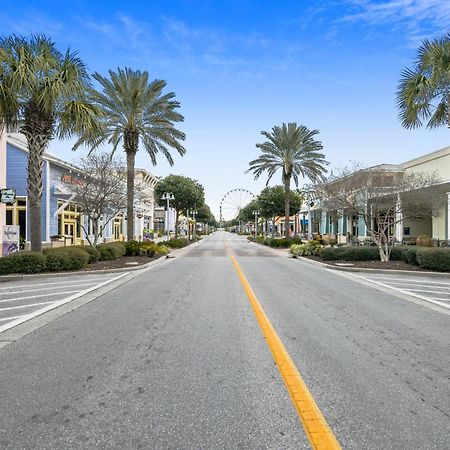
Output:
x,y
11,238
7,196
69,179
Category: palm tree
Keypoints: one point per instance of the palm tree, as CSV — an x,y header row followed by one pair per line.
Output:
x,y
42,94
424,92
133,112
294,150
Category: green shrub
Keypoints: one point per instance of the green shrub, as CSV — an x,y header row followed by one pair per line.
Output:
x,y
133,248
23,262
301,250
350,254
94,254
111,251
398,251
162,250
106,253
175,243
281,243
149,248
331,253
66,258
410,255
434,259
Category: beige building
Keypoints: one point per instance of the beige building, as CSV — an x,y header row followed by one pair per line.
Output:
x,y
347,226
438,226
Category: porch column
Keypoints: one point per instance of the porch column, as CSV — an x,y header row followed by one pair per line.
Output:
x,y
398,220
448,215
2,181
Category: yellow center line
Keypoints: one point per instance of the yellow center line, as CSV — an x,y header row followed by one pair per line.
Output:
x,y
317,430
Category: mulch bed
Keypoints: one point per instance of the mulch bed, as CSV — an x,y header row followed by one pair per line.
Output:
x,y
120,263
390,265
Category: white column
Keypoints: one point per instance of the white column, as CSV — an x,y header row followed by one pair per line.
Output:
x,y
398,220
448,215
2,181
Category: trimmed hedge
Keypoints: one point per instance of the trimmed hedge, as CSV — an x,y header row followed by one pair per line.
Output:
x,y
434,258
350,254
94,254
276,243
111,251
66,258
410,255
23,262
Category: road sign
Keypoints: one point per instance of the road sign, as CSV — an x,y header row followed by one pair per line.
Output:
x,y
7,196
11,238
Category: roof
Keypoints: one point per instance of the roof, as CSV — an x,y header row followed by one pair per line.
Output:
x,y
425,158
19,141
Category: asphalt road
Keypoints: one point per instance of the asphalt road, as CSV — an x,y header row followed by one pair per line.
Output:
x,y
175,359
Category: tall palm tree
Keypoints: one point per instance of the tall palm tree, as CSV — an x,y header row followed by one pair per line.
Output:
x,y
293,150
43,95
424,92
135,111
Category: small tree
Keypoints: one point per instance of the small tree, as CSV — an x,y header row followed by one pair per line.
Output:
x,y
188,193
383,196
101,192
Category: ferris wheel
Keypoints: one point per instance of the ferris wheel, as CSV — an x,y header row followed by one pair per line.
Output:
x,y
233,201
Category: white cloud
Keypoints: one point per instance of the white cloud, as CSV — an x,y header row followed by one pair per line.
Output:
x,y
415,14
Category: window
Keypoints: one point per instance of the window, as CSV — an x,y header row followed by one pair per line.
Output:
x,y
16,214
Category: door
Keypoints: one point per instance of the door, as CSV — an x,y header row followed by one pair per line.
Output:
x,y
70,232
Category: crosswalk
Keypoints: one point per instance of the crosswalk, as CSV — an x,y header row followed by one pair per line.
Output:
x,y
432,289
24,299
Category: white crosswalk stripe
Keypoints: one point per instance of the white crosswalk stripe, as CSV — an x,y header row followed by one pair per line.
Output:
x,y
23,299
435,290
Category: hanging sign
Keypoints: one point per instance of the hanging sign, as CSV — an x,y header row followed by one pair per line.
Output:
x,y
10,239
7,196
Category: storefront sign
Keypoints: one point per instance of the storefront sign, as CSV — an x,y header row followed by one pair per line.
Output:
x,y
69,179
7,196
11,237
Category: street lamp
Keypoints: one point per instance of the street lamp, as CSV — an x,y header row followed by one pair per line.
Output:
x,y
308,190
167,196
194,225
256,212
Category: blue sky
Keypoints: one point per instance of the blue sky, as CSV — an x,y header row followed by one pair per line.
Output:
x,y
239,67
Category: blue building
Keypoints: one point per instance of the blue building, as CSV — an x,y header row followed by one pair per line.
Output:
x,y
62,219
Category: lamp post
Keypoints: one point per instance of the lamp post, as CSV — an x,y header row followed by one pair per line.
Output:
x,y
167,196
194,224
308,190
256,212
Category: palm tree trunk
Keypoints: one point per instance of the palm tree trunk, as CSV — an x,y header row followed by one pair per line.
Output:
x,y
38,137
131,158
287,191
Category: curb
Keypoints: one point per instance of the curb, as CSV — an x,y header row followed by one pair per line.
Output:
x,y
369,270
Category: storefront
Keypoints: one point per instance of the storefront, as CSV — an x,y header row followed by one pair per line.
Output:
x,y
62,220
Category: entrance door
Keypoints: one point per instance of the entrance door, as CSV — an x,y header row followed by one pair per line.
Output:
x,y
118,230
70,231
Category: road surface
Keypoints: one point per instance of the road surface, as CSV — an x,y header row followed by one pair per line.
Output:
x,y
175,359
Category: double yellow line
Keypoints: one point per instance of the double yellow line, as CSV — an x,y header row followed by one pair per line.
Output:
x,y
317,430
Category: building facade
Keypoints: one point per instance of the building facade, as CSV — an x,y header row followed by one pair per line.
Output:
x,y
347,227
62,219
